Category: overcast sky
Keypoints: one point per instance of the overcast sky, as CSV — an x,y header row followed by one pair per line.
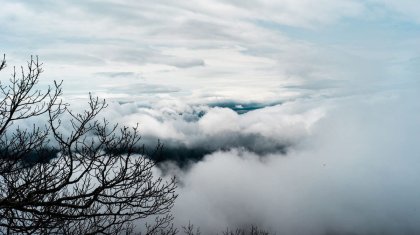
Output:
x,y
301,116
243,50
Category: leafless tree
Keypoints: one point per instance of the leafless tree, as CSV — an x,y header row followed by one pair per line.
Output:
x,y
91,179
189,229
253,230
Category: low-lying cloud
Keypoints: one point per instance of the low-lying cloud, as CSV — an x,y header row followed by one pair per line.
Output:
x,y
356,172
189,132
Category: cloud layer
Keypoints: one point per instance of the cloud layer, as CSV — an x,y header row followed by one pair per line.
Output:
x,y
356,173
247,50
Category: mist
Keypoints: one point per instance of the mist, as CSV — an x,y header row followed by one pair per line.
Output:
x,y
355,173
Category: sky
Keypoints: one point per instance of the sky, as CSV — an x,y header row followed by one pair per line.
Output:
x,y
299,116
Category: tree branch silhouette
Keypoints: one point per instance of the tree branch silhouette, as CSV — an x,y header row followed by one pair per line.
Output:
x,y
90,179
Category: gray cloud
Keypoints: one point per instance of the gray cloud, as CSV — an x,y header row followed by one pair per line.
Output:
x,y
356,173
116,74
178,62
143,88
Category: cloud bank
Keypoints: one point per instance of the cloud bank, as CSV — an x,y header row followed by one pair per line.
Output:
x,y
356,173
190,131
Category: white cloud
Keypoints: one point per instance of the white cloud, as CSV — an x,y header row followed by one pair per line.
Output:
x,y
188,127
357,173
219,121
215,47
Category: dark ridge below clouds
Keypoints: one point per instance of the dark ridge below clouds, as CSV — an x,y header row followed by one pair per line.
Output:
x,y
241,108
184,155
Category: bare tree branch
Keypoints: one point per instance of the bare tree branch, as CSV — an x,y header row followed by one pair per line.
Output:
x,y
90,181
